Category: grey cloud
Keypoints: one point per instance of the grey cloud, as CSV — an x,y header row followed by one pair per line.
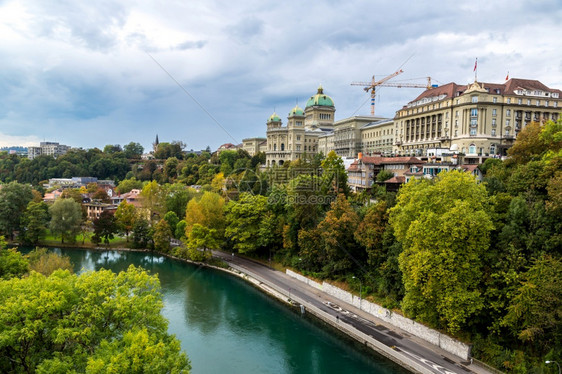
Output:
x,y
247,28
92,25
198,44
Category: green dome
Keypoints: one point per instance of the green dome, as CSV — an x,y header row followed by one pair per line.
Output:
x,y
320,99
296,111
274,118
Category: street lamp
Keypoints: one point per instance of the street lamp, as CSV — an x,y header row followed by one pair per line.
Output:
x,y
551,362
360,289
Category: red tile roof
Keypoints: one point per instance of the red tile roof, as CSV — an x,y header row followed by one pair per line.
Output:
x,y
507,88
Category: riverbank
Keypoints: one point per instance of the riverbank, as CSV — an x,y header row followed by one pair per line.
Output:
x,y
393,344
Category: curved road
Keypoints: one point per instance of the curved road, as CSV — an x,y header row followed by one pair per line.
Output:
x,y
432,358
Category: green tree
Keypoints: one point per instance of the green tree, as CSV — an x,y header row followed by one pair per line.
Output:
x,y
444,228
125,216
162,236
127,185
180,229
172,219
133,150
244,219
334,176
142,234
34,222
341,250
370,233
105,228
66,217
201,237
384,175
535,312
14,198
81,323
207,211
152,198
12,262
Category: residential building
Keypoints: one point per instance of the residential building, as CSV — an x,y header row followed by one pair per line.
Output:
x,y
95,209
48,149
361,173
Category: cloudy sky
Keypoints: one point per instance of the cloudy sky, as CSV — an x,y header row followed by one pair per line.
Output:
x,y
87,74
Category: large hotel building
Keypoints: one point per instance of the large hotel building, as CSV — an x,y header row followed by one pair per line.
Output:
x,y
474,121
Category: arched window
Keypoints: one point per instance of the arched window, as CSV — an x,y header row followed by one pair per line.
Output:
x,y
280,162
472,149
282,146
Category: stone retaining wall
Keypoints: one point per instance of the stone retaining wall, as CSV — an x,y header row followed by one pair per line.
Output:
x,y
434,337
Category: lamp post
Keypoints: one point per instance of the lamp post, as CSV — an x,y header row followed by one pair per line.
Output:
x,y
360,289
551,362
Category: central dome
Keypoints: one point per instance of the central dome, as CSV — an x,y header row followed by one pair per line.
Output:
x,y
320,99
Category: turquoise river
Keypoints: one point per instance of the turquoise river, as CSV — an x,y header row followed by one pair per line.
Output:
x,y
226,325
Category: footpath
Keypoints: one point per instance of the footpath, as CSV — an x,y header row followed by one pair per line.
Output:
x,y
411,352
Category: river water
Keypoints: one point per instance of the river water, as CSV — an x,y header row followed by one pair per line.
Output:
x,y
227,326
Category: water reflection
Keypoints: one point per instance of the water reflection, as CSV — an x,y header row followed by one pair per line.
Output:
x,y
226,325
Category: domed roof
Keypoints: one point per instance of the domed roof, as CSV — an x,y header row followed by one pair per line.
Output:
x,y
320,99
274,118
296,111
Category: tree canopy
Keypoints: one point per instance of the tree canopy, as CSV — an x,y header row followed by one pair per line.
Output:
x,y
82,323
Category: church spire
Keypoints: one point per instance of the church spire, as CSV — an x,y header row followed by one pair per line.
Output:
x,y
155,144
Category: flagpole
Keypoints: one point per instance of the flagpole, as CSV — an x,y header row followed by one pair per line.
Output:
x,y
476,70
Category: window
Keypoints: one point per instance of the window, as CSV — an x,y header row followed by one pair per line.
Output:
x,y
506,132
528,101
472,149
457,113
447,115
556,104
473,122
495,100
493,132
282,146
519,101
492,149
298,147
509,101
493,122
538,102
473,131
474,99
508,112
274,147
506,123
494,112
546,103
456,133
299,123
298,137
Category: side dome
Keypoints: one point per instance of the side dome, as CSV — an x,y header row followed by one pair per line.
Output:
x,y
274,118
320,99
296,111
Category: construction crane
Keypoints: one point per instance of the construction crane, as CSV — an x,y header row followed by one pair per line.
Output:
x,y
372,86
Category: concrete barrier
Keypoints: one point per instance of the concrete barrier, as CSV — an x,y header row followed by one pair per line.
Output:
x,y
412,327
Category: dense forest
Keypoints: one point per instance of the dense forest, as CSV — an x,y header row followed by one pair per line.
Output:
x,y
481,261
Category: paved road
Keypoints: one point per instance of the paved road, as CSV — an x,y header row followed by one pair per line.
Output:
x,y
424,353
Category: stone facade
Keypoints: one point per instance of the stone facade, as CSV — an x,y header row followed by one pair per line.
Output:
x,y
479,120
